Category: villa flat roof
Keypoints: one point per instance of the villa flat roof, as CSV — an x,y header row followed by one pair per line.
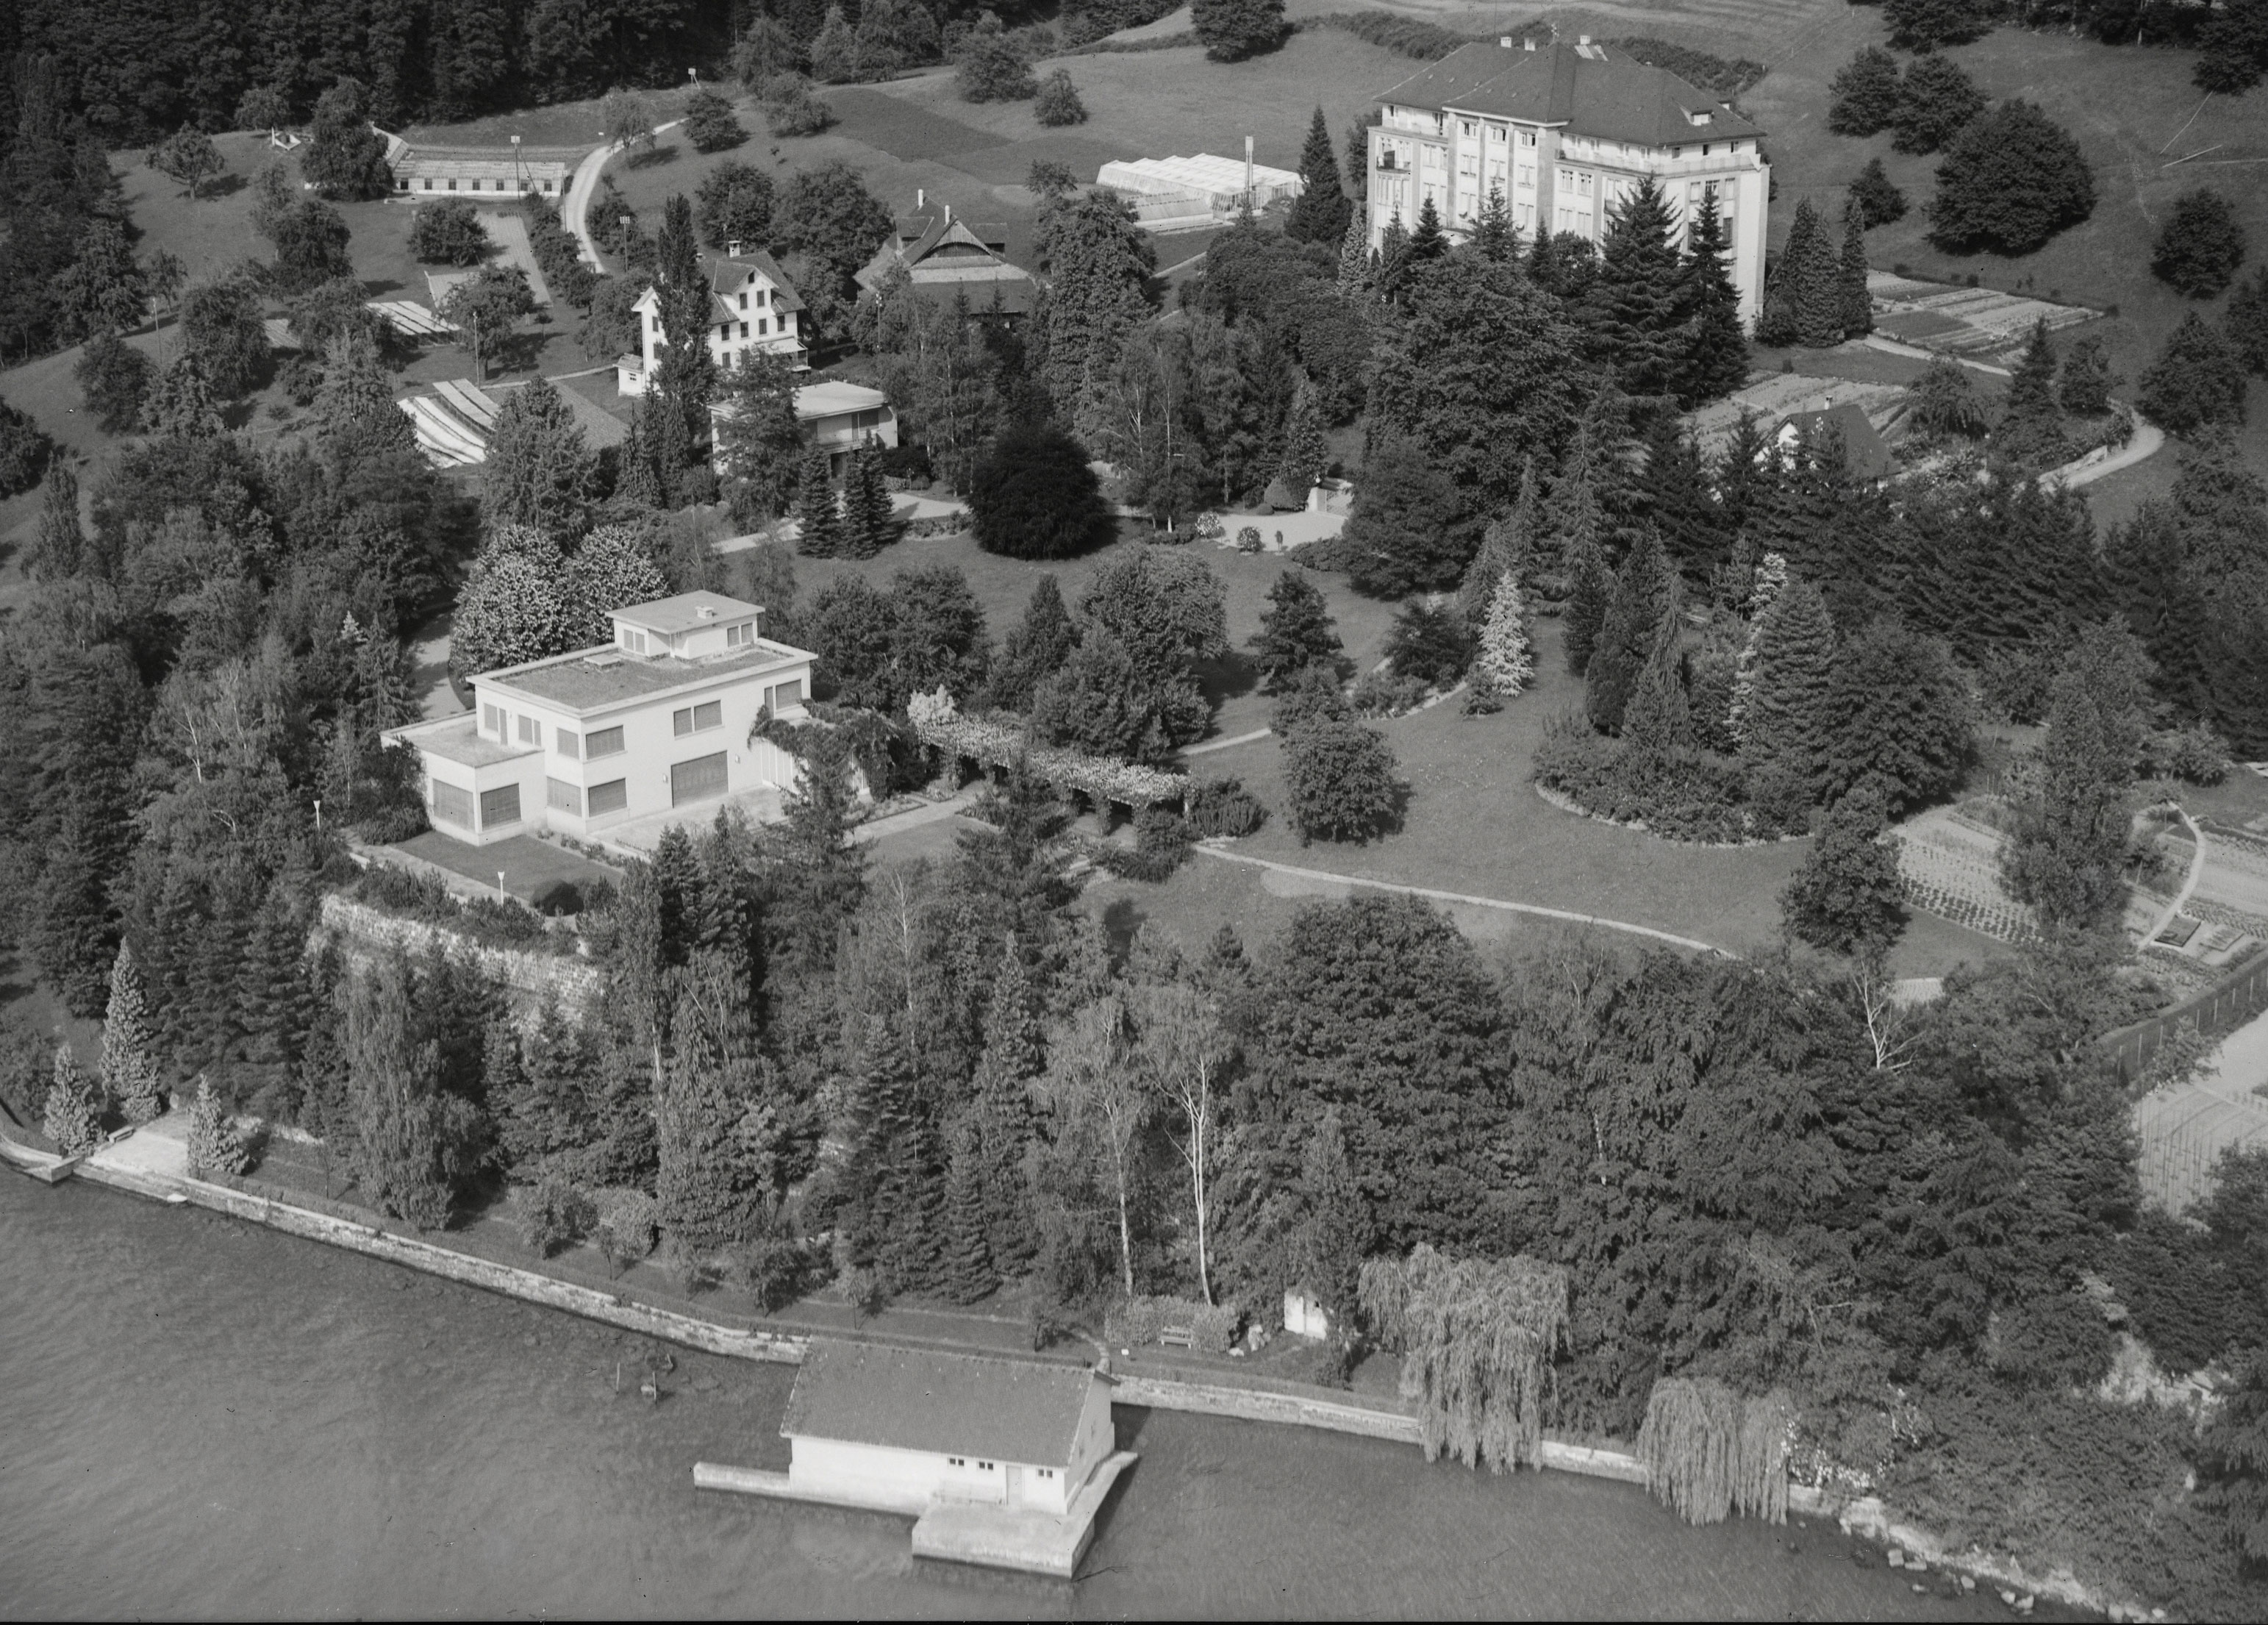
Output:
x,y
598,679
831,396
459,739
686,612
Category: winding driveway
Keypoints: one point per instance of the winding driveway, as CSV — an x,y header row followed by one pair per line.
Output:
x,y
585,183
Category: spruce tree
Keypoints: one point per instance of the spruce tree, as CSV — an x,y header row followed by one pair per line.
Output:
x,y
2031,388
73,1118
1013,1056
1676,498
1878,198
1296,631
1427,241
1494,236
1771,578
215,1148
1590,593
967,1274
1848,896
1788,723
1320,214
1656,725
59,548
1645,590
1358,161
819,516
2084,389
1354,256
129,1064
636,481
2246,323
867,524
2197,380
1630,312
1814,280
1505,662
1713,357
1304,457
1391,262
1857,304
1506,545
1033,649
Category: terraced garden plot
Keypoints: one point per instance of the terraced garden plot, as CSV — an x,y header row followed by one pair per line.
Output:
x,y
1950,863
1962,320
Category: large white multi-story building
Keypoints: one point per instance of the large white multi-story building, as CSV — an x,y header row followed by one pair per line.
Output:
x,y
1565,132
661,718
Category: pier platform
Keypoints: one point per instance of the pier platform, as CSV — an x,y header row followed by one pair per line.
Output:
x,y
962,1532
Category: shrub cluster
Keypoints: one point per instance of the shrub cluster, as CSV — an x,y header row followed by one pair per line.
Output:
x,y
1223,806
494,922
1681,800
558,255
1211,1327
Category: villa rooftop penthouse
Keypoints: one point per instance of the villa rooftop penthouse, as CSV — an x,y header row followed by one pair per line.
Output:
x,y
595,679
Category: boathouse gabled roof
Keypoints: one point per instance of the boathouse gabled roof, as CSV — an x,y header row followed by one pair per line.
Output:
x,y
942,1404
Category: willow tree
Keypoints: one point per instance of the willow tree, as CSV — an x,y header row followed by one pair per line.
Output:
x,y
1477,1338
1707,1453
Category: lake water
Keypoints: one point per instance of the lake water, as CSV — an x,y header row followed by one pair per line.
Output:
x,y
205,1418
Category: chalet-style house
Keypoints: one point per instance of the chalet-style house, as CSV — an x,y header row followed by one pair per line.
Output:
x,y
659,718
753,307
903,1429
1565,132
947,257
840,416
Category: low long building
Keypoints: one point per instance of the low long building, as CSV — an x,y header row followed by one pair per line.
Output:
x,y
1564,133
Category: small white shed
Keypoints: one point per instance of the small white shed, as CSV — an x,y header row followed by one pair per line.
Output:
x,y
1304,1314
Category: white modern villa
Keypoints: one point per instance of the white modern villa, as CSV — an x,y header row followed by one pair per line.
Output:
x,y
659,719
753,309
1565,132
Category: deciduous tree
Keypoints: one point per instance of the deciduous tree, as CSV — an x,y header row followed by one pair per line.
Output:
x,y
1847,895
1343,782
1232,30
2011,180
1863,97
2200,246
2197,380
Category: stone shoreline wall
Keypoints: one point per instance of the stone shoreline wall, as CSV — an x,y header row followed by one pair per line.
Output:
x,y
568,980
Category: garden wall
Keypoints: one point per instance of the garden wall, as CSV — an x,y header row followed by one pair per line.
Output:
x,y
571,982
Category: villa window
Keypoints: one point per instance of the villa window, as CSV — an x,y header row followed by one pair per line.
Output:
x,y
744,300
499,806
762,327
561,796
739,634
611,796
566,743
605,741
531,731
781,695
452,186
452,804
744,329
698,719
492,720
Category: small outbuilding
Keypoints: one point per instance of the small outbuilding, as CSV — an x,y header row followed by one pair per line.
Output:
x,y
1866,454
903,1428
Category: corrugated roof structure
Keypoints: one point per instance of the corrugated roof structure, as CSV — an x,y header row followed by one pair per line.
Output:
x,y
1588,89
947,1404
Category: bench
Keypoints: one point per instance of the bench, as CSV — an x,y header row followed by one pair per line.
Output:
x,y
1177,1337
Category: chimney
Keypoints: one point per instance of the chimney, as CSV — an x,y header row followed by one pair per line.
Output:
x,y
1530,43
921,198
1582,39
733,249
1504,42
948,214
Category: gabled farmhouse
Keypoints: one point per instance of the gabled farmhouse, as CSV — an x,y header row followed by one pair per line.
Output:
x,y
753,307
1866,454
903,1428
1565,132
659,718
947,257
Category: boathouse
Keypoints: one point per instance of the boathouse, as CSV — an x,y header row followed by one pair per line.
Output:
x,y
903,1429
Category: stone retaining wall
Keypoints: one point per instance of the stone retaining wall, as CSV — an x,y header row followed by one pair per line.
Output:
x,y
570,980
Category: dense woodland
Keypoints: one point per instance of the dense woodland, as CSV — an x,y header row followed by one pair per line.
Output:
x,y
1917,1230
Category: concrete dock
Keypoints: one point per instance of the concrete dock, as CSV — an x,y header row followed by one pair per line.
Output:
x,y
978,1532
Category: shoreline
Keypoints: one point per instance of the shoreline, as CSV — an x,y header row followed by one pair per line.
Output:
x,y
1864,1516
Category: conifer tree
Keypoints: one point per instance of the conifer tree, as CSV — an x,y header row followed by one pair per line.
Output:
x,y
1358,162
1771,578
1296,631
1391,262
1713,353
1304,457
1812,281
1788,722
1863,97
2197,380
717,1151
129,1065
181,408
59,548
1354,256
1505,662
214,1144
1320,214
1657,726
819,517
895,1222
73,1118
636,481
867,524
2084,390
1012,1057
1506,545
540,470
968,1274
2031,388
1645,590
2247,323
1847,896
1857,304
1427,241
1632,313
1033,649
1494,236
1590,593
1877,196
1676,498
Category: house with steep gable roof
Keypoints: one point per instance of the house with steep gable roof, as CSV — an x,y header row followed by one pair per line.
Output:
x,y
948,258
752,308
1565,133
904,1429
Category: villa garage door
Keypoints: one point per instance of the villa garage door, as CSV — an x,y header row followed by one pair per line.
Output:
x,y
697,780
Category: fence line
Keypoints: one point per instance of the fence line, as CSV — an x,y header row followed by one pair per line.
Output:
x,y
2230,1002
